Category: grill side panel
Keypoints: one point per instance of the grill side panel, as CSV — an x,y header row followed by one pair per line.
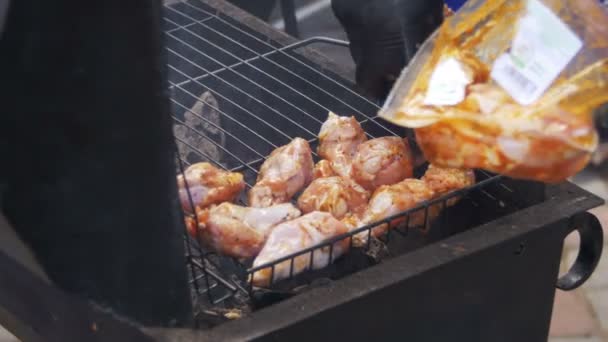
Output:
x,y
500,294
88,153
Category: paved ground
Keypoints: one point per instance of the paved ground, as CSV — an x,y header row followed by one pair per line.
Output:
x,y
582,315
5,336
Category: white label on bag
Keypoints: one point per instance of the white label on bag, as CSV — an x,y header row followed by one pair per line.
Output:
x,y
447,84
542,48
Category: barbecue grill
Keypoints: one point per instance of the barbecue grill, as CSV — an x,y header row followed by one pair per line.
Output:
x,y
485,269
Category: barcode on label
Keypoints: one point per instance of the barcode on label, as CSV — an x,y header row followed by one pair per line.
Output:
x,y
519,79
533,62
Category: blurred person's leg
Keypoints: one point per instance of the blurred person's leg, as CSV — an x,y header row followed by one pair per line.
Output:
x,y
260,8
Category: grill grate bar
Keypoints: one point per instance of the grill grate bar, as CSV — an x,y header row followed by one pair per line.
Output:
x,y
250,164
228,116
189,247
274,52
179,27
303,64
236,88
243,61
487,194
238,96
368,228
213,142
234,65
203,154
218,127
259,160
254,82
215,276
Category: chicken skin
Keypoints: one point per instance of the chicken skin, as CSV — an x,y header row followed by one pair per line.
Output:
x,y
237,231
335,195
445,180
323,169
293,236
391,200
338,140
287,170
205,184
382,161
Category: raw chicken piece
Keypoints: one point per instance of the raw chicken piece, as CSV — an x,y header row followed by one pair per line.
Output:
x,y
338,141
335,195
323,169
287,170
444,180
485,99
492,118
382,161
238,231
296,235
340,135
191,225
391,200
207,185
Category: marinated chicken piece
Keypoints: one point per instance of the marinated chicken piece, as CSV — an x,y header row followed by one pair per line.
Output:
x,y
382,161
338,141
498,117
340,135
191,225
237,231
205,184
391,200
445,180
287,170
293,236
323,169
485,99
335,195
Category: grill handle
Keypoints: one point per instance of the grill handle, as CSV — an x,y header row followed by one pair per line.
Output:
x,y
590,251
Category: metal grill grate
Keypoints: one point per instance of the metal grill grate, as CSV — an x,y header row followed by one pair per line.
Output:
x,y
236,96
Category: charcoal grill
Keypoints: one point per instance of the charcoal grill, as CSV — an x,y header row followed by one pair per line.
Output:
x,y
240,94
485,269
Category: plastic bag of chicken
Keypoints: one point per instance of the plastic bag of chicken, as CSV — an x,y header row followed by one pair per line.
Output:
x,y
509,86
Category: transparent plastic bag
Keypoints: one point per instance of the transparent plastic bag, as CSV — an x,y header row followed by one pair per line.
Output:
x,y
508,86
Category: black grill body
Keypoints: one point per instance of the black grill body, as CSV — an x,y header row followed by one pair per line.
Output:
x,y
87,153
